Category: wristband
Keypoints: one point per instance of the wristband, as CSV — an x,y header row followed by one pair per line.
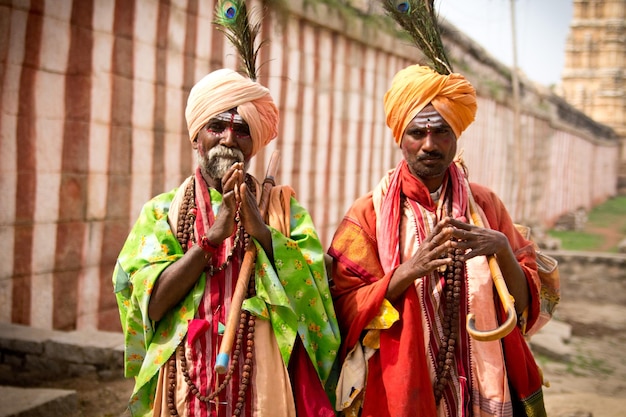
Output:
x,y
207,246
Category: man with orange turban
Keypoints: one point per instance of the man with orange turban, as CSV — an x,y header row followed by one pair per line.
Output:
x,y
177,272
409,265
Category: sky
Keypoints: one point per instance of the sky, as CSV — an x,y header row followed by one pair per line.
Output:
x,y
542,28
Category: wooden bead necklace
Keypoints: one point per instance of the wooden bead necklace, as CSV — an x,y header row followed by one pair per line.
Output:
x,y
185,235
454,276
187,216
246,329
450,300
187,219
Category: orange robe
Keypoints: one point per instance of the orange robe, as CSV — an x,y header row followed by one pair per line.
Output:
x,y
399,380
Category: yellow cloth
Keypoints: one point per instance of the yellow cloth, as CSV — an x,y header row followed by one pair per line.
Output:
x,y
225,89
416,86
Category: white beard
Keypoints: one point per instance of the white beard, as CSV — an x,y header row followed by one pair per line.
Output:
x,y
218,160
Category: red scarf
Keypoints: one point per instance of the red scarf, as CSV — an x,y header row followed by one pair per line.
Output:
x,y
403,182
402,357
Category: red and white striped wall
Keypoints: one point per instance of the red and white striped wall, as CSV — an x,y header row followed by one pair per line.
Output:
x,y
92,125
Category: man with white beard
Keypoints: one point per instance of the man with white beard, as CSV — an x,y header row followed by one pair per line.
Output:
x,y
176,274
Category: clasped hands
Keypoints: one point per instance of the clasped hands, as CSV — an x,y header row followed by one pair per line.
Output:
x,y
452,233
235,193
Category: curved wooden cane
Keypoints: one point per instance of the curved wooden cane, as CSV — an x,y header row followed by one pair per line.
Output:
x,y
247,269
506,298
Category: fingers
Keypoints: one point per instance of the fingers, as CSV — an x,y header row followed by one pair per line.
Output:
x,y
245,197
459,224
462,230
478,241
250,214
454,233
233,178
433,253
441,232
461,234
237,191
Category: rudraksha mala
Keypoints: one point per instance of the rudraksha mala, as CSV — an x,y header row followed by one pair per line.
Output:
x,y
247,321
246,329
187,218
454,277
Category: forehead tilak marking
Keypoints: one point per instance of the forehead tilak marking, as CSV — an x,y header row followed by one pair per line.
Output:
x,y
428,115
429,118
230,117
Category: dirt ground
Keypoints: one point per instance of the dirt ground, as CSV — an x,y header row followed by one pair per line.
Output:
x,y
591,384
593,381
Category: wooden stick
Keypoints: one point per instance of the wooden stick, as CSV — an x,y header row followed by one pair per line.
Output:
x,y
506,298
247,269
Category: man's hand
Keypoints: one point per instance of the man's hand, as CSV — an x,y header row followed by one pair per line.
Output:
x,y
235,193
477,241
431,254
252,221
250,214
225,220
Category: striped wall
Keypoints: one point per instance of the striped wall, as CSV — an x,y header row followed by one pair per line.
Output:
x,y
92,125
561,169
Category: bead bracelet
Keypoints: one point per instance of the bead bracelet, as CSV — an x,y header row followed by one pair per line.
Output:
x,y
207,246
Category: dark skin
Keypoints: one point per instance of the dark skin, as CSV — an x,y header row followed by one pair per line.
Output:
x,y
429,146
179,278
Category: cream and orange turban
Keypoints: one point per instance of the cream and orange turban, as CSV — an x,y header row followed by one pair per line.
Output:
x,y
225,89
414,87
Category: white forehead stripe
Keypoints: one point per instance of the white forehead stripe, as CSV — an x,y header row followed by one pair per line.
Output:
x,y
430,116
227,117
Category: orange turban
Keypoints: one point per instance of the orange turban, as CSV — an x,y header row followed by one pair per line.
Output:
x,y
414,87
225,89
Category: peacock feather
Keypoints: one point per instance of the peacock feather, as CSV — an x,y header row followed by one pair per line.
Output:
x,y
232,18
419,19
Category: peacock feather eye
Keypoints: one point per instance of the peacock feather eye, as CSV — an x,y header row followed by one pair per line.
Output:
x,y
403,6
230,10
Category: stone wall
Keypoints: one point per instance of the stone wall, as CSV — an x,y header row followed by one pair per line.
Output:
x,y
31,354
92,126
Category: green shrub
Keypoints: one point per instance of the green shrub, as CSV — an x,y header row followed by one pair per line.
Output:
x,y
606,219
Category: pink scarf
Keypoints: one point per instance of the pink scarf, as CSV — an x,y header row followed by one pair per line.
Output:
x,y
403,182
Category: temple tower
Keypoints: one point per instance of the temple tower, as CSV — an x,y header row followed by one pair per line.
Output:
x,y
594,75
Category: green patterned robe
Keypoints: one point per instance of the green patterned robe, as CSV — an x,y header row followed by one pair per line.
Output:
x,y
294,296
